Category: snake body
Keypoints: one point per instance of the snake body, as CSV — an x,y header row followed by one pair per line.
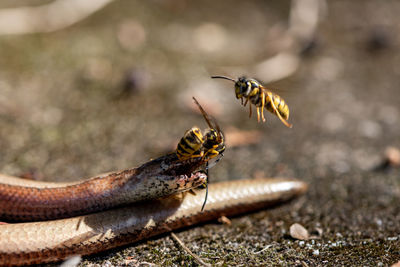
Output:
x,y
24,200
49,241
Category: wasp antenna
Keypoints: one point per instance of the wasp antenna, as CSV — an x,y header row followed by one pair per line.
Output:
x,y
195,101
223,77
205,115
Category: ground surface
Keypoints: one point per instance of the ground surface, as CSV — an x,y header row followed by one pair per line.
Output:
x,y
114,90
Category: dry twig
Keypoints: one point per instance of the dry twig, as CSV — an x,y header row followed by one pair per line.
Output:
x,y
197,258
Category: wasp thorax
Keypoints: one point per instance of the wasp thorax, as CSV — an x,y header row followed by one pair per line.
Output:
x,y
214,143
211,138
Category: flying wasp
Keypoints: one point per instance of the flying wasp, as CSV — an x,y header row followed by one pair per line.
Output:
x,y
194,144
250,89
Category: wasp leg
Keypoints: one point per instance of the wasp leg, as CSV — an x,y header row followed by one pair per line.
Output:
x,y
277,112
250,111
193,156
200,155
262,106
258,114
210,154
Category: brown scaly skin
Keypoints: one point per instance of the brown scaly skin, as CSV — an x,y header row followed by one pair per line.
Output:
x,y
36,201
41,242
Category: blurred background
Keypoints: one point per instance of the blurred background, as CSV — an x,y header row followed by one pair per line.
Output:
x,y
87,88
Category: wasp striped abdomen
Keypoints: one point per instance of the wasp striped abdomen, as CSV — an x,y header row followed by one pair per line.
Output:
x,y
280,105
190,144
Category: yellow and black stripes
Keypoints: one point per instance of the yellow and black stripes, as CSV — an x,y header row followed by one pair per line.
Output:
x,y
251,90
280,105
190,144
194,144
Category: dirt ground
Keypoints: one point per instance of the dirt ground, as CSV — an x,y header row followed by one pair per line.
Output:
x,y
115,90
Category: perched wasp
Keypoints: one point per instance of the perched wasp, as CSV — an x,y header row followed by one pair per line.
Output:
x,y
250,89
196,145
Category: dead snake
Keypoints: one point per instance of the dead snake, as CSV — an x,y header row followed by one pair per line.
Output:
x,y
109,222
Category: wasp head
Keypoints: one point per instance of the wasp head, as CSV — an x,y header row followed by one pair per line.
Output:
x,y
242,87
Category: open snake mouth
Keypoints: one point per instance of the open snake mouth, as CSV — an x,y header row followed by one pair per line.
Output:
x,y
196,179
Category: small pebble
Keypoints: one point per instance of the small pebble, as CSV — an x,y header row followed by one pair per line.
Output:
x,y
224,220
297,231
316,252
392,155
71,261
